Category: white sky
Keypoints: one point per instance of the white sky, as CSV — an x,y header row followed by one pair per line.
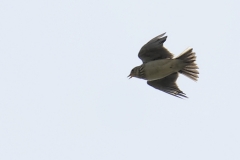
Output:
x,y
65,93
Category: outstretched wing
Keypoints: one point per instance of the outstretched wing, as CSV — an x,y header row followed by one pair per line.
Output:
x,y
168,85
154,50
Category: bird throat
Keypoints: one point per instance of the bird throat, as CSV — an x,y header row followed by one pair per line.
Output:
x,y
140,72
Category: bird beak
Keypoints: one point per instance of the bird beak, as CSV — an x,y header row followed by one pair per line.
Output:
x,y
130,76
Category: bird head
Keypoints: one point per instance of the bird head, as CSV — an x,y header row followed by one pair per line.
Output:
x,y
134,72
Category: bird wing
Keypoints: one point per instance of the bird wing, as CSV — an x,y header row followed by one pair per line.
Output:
x,y
168,85
154,50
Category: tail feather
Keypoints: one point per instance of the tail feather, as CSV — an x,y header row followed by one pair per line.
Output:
x,y
190,70
192,67
193,77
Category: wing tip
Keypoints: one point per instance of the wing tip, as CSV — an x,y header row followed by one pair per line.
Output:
x,y
162,34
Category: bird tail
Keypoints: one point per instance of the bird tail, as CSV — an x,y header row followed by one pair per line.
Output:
x,y
189,58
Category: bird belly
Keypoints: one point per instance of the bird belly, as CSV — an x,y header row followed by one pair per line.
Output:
x,y
161,68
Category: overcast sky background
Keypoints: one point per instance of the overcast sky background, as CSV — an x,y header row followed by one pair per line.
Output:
x,y
65,93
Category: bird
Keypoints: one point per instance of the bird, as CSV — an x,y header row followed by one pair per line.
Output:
x,y
161,69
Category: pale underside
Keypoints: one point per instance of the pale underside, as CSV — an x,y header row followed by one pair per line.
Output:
x,y
159,69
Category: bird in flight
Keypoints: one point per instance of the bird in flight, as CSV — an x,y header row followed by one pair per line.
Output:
x,y
161,69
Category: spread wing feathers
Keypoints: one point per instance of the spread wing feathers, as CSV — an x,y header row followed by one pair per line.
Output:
x,y
168,85
154,50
